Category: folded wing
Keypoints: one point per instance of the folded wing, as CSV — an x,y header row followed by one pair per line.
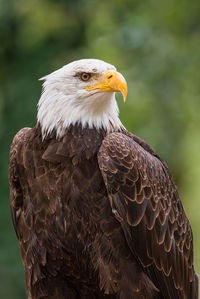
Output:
x,y
145,200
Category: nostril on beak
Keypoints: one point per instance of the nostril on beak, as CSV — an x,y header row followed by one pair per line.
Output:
x,y
110,76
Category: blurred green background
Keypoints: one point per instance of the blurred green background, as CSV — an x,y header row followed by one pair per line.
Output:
x,y
154,44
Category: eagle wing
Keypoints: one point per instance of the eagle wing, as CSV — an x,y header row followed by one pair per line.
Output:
x,y
16,193
145,200
22,206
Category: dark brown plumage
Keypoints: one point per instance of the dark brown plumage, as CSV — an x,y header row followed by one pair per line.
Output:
x,y
98,215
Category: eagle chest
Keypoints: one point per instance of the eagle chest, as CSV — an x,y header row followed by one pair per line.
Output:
x,y
67,199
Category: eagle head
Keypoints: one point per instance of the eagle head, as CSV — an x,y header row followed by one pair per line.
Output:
x,y
81,92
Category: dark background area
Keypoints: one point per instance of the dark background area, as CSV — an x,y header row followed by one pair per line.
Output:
x,y
154,44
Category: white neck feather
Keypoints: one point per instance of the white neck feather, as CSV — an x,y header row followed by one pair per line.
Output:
x,y
58,110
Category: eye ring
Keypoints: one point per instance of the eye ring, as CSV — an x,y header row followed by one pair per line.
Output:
x,y
85,76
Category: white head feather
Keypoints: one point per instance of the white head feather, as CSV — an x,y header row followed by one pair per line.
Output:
x,y
65,100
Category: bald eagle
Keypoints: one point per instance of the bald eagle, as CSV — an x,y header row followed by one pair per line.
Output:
x,y
95,209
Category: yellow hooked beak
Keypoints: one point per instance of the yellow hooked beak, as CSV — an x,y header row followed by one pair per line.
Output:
x,y
112,81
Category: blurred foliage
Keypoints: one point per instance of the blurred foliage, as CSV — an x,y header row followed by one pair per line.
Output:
x,y
155,44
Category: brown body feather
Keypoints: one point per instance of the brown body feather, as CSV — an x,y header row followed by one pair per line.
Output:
x,y
98,216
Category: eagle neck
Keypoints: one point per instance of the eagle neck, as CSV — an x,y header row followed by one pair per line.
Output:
x,y
57,111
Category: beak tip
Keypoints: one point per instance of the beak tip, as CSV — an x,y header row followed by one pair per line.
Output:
x,y
124,93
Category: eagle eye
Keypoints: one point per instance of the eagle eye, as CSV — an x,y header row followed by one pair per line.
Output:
x,y
85,76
